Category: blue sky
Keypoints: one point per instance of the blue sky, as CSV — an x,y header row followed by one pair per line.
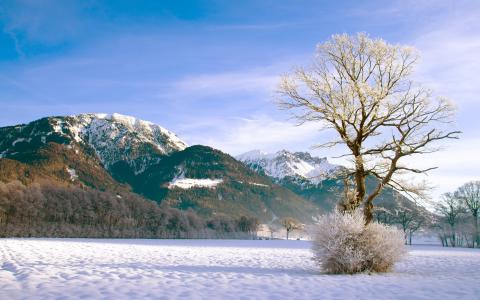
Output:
x,y
207,70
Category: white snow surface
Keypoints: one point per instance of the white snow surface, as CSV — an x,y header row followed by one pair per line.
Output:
x,y
188,183
259,184
219,269
20,140
113,137
284,163
116,137
73,174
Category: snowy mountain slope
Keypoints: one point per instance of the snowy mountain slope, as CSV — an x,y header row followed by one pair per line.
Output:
x,y
287,164
214,183
113,138
119,154
316,180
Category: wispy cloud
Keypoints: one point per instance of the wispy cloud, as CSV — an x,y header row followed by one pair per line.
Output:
x,y
456,164
239,135
257,26
46,22
259,80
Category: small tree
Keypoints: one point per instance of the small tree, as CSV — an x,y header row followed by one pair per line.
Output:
x,y
469,193
410,221
450,208
362,89
384,216
414,227
290,224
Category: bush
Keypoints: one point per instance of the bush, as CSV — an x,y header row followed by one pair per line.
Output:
x,y
343,244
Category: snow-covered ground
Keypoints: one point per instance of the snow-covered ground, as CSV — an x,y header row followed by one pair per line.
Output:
x,y
188,183
219,269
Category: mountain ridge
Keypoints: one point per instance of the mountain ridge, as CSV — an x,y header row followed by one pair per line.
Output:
x,y
283,163
119,153
122,154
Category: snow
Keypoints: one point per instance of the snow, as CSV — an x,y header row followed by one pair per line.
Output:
x,y
219,269
254,155
18,141
113,137
57,125
188,183
284,163
259,184
116,137
73,174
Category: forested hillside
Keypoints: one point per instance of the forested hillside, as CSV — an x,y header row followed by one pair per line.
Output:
x,y
50,209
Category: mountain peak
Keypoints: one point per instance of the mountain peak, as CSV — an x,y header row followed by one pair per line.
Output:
x,y
284,163
113,137
116,137
116,117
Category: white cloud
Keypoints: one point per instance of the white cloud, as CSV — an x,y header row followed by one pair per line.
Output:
x,y
450,61
236,136
456,164
47,21
261,81
450,66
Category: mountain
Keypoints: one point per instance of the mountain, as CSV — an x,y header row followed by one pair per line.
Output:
x,y
113,138
284,164
316,180
212,182
120,154
313,178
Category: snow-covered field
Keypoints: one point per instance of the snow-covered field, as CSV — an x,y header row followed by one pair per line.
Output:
x,y
219,269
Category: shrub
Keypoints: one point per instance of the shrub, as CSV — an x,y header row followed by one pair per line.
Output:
x,y
343,244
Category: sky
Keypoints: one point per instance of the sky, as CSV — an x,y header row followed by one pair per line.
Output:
x,y
208,70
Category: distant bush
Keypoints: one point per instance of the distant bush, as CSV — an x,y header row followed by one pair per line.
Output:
x,y
343,244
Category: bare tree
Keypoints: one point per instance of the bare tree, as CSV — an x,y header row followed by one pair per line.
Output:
x,y
470,194
383,215
410,222
290,224
450,208
362,89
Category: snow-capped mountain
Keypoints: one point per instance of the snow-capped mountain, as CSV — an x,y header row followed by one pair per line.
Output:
x,y
121,154
118,137
113,137
284,164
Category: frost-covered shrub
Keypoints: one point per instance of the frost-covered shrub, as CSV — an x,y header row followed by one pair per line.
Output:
x,y
343,244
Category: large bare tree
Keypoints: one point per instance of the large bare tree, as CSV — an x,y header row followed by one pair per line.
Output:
x,y
362,88
469,193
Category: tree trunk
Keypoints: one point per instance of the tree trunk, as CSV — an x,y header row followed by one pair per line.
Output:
x,y
287,234
368,212
454,242
477,238
360,184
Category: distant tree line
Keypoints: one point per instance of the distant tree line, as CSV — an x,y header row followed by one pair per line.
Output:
x,y
49,209
457,224
408,219
455,220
